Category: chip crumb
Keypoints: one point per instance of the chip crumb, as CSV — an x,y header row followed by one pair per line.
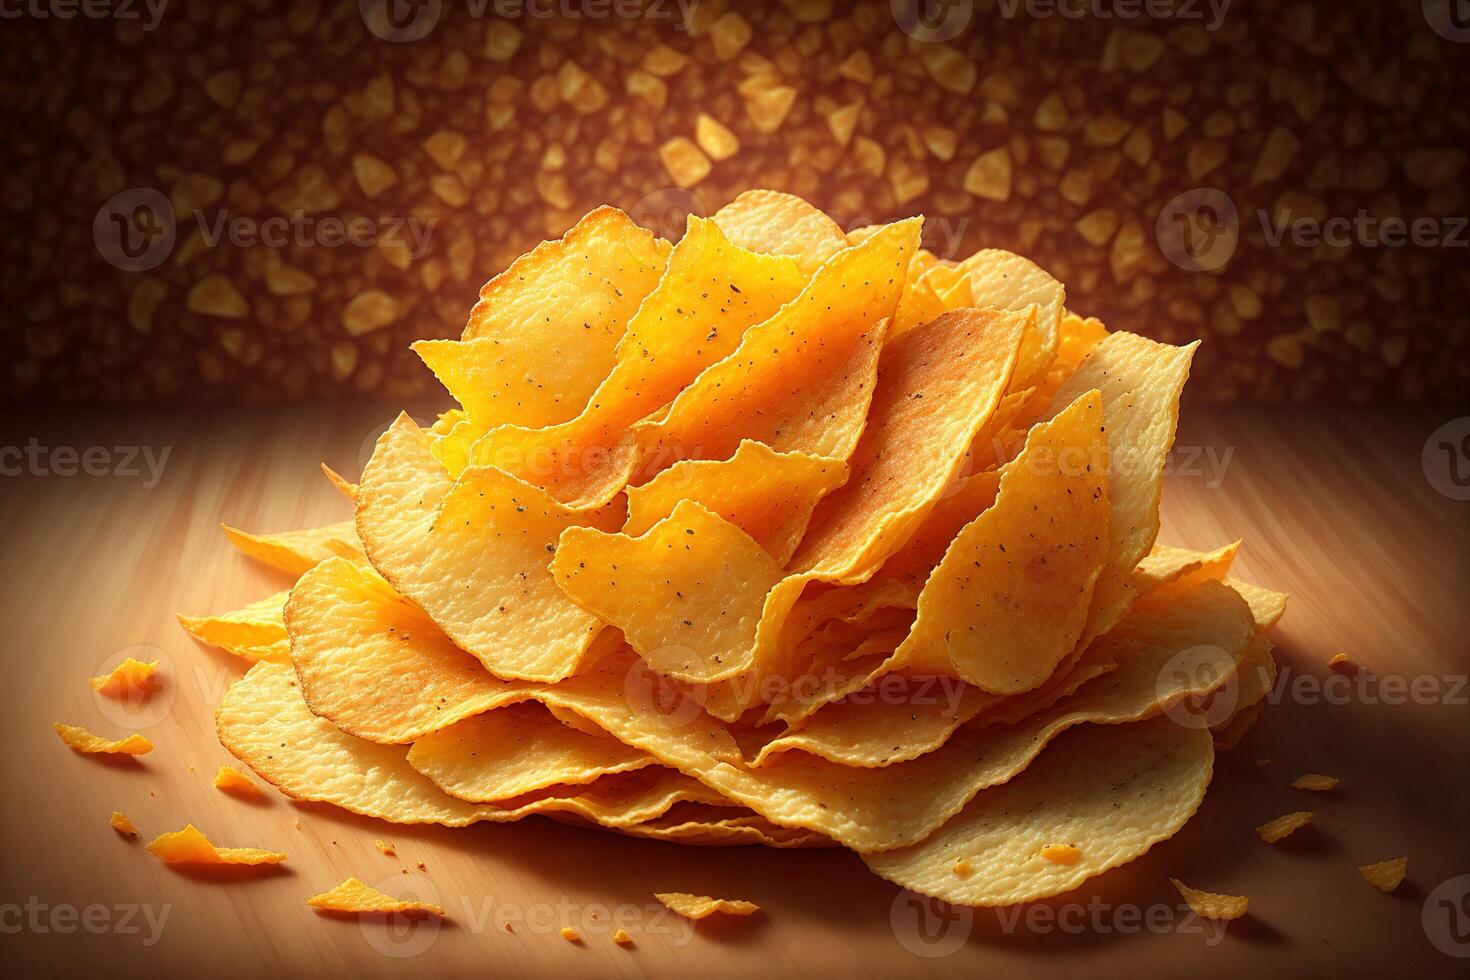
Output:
x,y
231,780
354,896
963,868
1338,661
298,824
1314,781
622,938
509,927
1262,763
570,935
1211,905
1284,826
422,866
384,848
1386,875
120,823
128,676
1061,853
78,738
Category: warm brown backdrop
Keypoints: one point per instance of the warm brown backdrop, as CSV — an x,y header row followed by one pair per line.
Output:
x,y
1065,138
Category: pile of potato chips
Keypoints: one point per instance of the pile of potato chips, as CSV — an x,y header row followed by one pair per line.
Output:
x,y
776,534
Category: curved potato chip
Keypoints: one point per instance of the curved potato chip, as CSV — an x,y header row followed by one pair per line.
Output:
x,y
256,632
1003,280
781,224
354,896
78,738
343,485
130,675
120,823
768,495
1211,905
702,906
1114,790
296,551
190,846
1386,876
1284,826
474,554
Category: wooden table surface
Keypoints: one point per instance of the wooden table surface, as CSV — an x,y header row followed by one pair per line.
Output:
x,y
1334,506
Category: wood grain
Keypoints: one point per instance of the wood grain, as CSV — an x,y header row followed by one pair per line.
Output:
x,y
1333,506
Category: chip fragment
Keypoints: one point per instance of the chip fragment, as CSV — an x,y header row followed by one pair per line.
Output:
x,y
1386,876
1284,826
702,906
1314,781
120,823
81,740
352,896
127,677
231,780
296,551
190,846
1211,905
255,632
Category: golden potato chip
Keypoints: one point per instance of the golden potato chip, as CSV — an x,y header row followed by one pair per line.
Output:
x,y
120,823
491,536
622,938
81,740
1113,790
190,846
296,551
1076,337
768,495
1267,606
1228,736
1314,781
801,380
712,292
516,750
354,896
231,780
1386,876
1255,677
1284,826
1003,280
1061,853
702,906
917,304
256,632
570,935
129,676
781,224
343,485
1210,905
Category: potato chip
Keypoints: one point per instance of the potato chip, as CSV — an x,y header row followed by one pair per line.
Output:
x,y
120,823
296,551
1211,905
81,740
1284,826
256,632
712,292
1228,736
231,780
1314,781
489,534
702,906
622,938
1339,661
1114,791
570,935
1005,281
781,224
127,677
343,485
1386,876
768,495
355,897
190,846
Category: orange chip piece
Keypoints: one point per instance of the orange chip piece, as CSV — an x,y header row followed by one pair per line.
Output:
x,y
82,740
1314,781
296,551
354,896
231,780
1385,875
622,938
1339,660
702,906
119,822
190,846
255,632
1209,905
385,848
570,935
1284,826
130,675
1061,853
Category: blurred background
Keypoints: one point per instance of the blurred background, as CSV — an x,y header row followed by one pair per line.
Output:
x,y
208,201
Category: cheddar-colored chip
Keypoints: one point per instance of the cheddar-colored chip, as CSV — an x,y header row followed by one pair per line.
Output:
x,y
781,224
355,897
1386,876
570,935
1006,281
768,495
1113,791
1211,905
702,906
231,780
120,823
473,554
190,846
81,740
127,677
1284,826
256,632
296,551
1314,781
622,938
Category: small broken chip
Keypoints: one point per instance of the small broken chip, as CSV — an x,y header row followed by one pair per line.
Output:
x,y
1061,853
1385,875
231,780
354,896
1284,826
702,906
570,935
128,676
190,846
82,740
1314,781
120,823
1212,905
622,938
385,848
1339,661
